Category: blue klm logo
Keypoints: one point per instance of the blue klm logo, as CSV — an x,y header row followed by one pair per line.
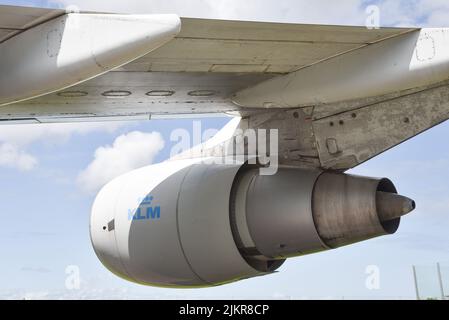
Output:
x,y
146,210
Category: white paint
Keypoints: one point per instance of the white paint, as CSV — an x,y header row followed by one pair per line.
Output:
x,y
138,184
76,47
193,199
412,60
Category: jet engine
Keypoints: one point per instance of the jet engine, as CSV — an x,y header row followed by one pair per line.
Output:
x,y
190,224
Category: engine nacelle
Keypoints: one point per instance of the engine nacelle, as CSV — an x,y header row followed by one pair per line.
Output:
x,y
190,224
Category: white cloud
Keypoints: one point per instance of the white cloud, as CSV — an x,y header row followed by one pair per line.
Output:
x,y
128,152
15,140
12,157
52,133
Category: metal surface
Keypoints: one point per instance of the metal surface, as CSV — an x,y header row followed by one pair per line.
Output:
x,y
344,135
256,47
204,226
189,245
223,223
296,141
14,20
229,46
298,212
279,213
391,206
411,60
93,103
74,48
143,251
239,223
364,132
241,54
345,210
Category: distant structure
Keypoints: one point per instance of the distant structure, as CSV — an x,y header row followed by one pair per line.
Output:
x,y
431,282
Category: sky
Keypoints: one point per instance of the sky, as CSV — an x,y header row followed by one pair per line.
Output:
x,y
49,176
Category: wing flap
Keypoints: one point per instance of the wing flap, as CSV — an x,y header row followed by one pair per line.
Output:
x,y
237,46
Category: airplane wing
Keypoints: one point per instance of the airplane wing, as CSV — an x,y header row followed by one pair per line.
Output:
x,y
360,91
196,72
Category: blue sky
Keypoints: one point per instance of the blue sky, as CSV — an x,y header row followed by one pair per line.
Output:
x,y
45,210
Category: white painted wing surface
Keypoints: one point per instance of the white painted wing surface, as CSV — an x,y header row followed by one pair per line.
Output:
x,y
197,72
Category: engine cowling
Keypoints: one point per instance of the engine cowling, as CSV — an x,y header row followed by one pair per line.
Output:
x,y
190,224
